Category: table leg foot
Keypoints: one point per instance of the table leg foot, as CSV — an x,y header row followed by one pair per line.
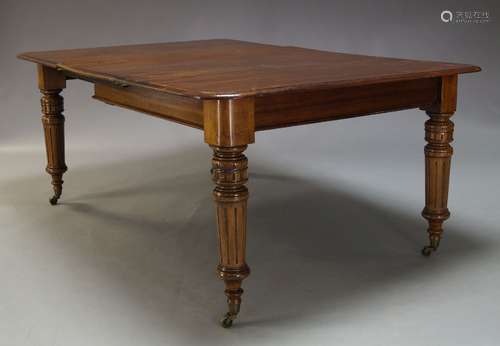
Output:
x,y
57,186
434,240
233,292
227,320
428,250
53,199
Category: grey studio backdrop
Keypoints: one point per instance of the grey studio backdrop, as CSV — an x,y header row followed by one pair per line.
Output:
x,y
334,236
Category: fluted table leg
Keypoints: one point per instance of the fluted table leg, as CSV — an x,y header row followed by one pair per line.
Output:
x,y
229,172
438,152
51,83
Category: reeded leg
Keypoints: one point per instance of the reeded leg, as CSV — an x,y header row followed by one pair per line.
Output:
x,y
51,83
53,125
229,172
438,151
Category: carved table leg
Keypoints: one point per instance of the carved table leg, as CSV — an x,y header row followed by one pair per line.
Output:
x,y
229,172
438,151
51,83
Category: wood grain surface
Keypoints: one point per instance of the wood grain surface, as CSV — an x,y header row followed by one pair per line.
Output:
x,y
229,68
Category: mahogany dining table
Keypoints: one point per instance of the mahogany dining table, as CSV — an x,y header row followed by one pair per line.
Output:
x,y
230,89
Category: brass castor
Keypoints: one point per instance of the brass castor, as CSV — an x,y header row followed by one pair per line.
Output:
x,y
57,186
54,199
227,320
433,246
428,250
234,309
233,303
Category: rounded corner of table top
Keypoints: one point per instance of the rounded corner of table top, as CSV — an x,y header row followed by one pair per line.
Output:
x,y
475,68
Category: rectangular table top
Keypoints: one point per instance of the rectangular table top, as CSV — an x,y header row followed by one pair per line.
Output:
x,y
223,68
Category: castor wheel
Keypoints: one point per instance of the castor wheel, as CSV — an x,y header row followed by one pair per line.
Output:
x,y
53,200
227,321
428,250
432,247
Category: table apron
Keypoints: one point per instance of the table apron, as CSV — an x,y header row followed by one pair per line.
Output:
x,y
283,109
296,108
181,109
